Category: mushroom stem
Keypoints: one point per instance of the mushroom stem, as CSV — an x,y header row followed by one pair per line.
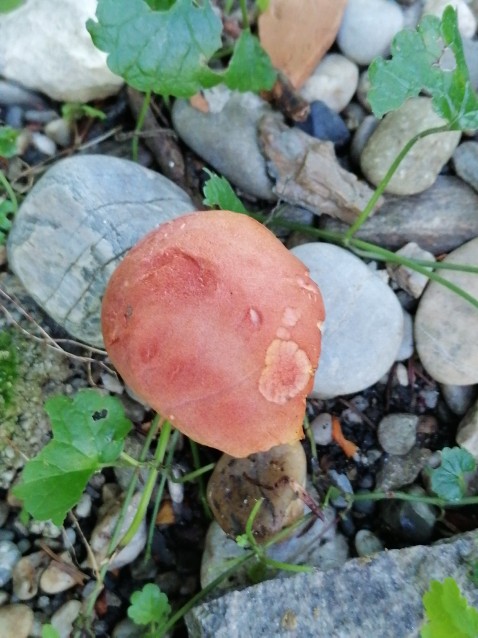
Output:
x,y
349,448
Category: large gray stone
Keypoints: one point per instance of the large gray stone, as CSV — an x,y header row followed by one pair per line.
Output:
x,y
446,325
363,321
420,167
439,219
74,227
226,137
377,597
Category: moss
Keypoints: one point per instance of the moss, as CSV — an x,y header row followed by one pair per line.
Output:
x,y
8,369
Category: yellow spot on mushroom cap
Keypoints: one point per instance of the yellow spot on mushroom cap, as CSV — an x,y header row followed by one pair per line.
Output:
x,y
287,371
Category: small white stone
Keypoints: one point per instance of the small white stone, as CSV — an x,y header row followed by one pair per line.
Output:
x,y
59,130
112,383
43,144
467,435
55,578
401,373
26,575
397,433
176,490
367,29
321,428
83,509
407,345
459,397
334,82
408,279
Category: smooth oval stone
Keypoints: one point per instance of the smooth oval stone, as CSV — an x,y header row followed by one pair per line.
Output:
x,y
397,433
367,29
334,82
74,227
446,326
439,220
364,321
16,621
226,137
465,161
325,124
420,167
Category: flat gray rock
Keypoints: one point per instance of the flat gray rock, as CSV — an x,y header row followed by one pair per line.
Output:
x,y
420,167
439,220
446,325
226,137
465,161
380,596
74,227
363,321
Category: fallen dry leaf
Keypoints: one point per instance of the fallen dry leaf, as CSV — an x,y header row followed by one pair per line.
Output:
x,y
297,33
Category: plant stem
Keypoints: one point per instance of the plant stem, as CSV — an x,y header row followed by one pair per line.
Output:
x,y
9,190
245,16
150,483
414,498
139,125
386,179
159,494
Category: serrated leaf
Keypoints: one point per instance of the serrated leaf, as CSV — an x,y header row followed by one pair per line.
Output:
x,y
8,141
429,59
161,51
448,613
448,480
88,433
250,68
218,192
149,605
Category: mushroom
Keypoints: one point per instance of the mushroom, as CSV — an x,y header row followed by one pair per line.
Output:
x,y
211,321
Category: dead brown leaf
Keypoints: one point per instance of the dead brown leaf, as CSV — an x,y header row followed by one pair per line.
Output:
x,y
297,33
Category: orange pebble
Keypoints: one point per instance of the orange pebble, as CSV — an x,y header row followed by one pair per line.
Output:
x,y
349,448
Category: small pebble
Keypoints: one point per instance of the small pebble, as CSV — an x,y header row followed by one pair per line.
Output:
x,y
325,124
321,428
397,433
459,397
410,280
35,116
407,346
14,117
63,619
43,144
9,556
465,161
365,508
399,470
14,94
55,579
367,543
412,521
401,374
26,575
367,29
342,482
333,82
83,509
467,435
59,130
176,490
16,621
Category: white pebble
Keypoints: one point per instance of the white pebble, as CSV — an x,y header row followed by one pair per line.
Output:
x,y
63,619
83,509
401,373
43,143
408,345
321,428
334,82
176,490
367,29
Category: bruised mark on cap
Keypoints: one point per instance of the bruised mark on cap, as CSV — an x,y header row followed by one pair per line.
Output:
x,y
287,371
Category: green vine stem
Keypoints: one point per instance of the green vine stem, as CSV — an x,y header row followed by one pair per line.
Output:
x,y
139,125
414,498
159,494
162,445
9,190
245,16
367,211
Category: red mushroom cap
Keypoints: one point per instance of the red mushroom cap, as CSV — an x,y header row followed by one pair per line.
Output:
x,y
216,325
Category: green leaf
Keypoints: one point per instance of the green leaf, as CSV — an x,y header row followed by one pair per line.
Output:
x,y
9,5
448,613
429,59
8,141
149,605
72,111
88,433
161,51
447,480
218,192
250,68
48,631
